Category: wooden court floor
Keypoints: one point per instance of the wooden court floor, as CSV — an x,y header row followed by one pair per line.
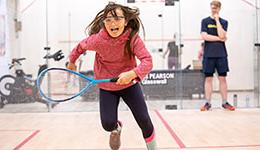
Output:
x,y
175,129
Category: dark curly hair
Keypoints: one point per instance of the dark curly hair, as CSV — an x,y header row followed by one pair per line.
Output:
x,y
132,18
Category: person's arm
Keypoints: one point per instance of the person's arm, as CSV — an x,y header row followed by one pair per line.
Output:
x,y
220,29
89,43
207,37
141,52
200,54
143,68
204,35
166,52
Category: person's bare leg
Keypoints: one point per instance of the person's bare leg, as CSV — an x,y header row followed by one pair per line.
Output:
x,y
208,88
208,92
223,87
223,92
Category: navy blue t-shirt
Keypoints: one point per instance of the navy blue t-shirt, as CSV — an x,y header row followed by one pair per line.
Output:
x,y
216,48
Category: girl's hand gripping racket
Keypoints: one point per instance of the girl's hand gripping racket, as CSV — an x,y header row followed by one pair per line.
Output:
x,y
60,84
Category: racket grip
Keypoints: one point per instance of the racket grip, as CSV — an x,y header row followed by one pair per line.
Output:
x,y
114,79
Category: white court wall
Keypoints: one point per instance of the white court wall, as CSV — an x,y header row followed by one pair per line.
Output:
x,y
68,19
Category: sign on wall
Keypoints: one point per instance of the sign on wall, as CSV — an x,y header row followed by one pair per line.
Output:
x,y
157,78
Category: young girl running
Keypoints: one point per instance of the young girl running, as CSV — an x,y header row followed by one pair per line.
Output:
x,y
113,35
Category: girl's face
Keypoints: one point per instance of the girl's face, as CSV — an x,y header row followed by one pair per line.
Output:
x,y
115,25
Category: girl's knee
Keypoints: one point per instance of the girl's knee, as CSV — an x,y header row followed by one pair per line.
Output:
x,y
109,125
145,123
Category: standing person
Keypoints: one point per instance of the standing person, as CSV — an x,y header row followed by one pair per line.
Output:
x,y
172,49
213,32
113,34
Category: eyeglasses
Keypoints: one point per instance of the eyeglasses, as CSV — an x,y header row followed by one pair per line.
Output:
x,y
115,19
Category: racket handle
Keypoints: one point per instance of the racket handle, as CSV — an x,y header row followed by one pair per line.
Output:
x,y
114,79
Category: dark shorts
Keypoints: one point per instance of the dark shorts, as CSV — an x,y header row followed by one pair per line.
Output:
x,y
212,64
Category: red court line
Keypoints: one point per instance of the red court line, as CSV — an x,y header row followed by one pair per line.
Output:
x,y
26,140
226,146
17,130
162,148
166,148
171,148
173,134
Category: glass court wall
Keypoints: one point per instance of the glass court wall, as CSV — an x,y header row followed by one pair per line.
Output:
x,y
172,36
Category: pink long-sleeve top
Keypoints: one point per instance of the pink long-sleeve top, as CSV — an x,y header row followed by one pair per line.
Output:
x,y
110,60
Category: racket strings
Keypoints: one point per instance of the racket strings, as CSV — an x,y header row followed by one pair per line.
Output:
x,y
59,84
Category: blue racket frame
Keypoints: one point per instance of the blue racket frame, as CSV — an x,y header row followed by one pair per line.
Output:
x,y
92,82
